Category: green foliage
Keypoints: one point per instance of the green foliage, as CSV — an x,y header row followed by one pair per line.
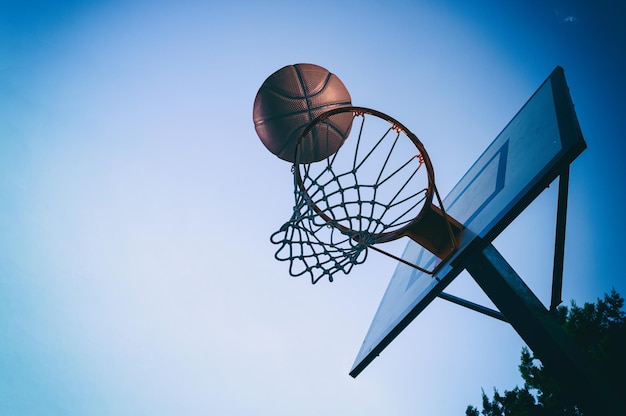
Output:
x,y
600,329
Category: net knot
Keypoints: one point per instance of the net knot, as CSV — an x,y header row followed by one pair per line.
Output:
x,y
364,239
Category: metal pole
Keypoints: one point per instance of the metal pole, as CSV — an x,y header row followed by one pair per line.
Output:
x,y
473,306
559,240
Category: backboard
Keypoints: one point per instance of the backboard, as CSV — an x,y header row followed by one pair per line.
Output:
x,y
536,146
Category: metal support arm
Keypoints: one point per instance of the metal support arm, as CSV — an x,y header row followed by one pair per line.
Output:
x,y
543,334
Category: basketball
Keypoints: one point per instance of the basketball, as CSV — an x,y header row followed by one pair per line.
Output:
x,y
289,100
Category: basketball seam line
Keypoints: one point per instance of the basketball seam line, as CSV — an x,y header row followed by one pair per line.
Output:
x,y
284,94
338,103
307,98
305,92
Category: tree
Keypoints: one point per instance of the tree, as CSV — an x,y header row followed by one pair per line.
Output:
x,y
600,330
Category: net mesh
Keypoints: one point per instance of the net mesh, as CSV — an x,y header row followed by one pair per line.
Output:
x,y
314,248
366,193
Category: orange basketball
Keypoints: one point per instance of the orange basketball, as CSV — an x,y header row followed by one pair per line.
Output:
x,y
289,100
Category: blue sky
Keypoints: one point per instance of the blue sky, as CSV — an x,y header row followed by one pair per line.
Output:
x,y
136,202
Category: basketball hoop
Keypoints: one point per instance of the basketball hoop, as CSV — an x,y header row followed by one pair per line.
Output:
x,y
379,186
